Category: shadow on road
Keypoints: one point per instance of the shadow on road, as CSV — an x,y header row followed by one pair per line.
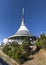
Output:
x,y
2,62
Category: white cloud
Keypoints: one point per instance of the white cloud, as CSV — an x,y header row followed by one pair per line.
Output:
x,y
5,40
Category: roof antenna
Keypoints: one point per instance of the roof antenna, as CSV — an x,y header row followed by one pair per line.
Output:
x,y
23,16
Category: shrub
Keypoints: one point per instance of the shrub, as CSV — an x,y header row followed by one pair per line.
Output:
x,y
6,49
17,52
41,42
11,53
13,44
26,48
19,55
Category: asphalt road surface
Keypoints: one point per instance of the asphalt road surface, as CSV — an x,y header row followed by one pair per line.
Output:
x,y
2,62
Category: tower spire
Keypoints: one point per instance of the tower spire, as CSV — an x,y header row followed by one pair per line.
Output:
x,y
23,16
23,13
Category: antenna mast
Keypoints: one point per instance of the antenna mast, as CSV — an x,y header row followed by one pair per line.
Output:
x,y
23,16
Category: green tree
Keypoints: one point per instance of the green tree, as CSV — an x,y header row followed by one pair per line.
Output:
x,y
18,52
41,42
11,53
13,44
6,48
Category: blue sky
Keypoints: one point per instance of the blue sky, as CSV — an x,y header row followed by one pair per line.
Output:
x,y
11,16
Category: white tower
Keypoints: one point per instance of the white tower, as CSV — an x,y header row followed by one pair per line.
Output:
x,y
23,31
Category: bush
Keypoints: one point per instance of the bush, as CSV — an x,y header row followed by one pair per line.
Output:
x,y
26,48
41,42
11,53
17,52
13,44
6,49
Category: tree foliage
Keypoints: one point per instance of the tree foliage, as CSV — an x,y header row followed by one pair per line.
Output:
x,y
41,42
17,52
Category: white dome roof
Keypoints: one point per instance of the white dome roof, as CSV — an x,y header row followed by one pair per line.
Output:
x,y
22,27
23,31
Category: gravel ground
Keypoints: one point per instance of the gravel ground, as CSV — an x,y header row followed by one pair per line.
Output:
x,y
37,59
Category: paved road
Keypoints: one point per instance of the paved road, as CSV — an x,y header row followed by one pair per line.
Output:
x,y
2,62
